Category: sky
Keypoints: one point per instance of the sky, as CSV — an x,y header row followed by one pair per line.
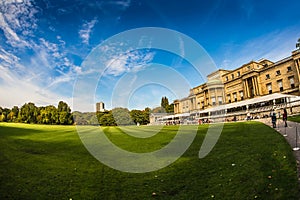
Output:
x,y
78,51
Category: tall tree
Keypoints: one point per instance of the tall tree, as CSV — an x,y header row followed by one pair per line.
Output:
x,y
28,113
64,113
122,116
107,119
164,102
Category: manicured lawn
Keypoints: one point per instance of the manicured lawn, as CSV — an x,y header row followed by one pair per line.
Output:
x,y
250,161
295,118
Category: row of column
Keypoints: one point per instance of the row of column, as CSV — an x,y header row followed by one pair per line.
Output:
x,y
254,84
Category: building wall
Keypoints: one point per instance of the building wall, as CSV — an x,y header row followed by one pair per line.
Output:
x,y
256,78
100,107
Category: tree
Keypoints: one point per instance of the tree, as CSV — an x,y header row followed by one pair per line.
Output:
x,y
164,102
28,113
122,116
107,120
170,108
158,110
298,43
64,113
140,116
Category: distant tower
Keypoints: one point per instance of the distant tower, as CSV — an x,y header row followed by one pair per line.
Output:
x,y
100,107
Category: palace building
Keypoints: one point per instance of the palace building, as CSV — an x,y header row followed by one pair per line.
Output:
x,y
253,88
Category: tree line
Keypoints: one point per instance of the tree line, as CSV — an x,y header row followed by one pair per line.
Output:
x,y
30,113
114,117
121,116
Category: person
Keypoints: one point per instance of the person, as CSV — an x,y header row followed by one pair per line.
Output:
x,y
274,119
248,116
284,117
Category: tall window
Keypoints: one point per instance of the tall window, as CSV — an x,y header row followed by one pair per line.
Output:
x,y
238,74
234,96
213,101
269,88
232,76
267,76
242,95
226,78
228,98
292,82
280,85
220,100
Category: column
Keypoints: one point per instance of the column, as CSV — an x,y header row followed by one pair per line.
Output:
x,y
246,89
257,86
216,98
254,86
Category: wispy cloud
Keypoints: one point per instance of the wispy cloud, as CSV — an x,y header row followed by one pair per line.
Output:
x,y
122,4
273,46
17,21
130,62
37,78
86,30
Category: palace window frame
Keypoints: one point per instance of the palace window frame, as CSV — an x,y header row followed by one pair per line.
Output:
x,y
278,73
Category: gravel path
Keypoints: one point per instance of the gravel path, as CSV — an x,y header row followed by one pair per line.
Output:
x,y
290,135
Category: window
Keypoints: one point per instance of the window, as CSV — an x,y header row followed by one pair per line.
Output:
x,y
292,82
289,68
213,101
238,74
280,85
220,100
278,73
269,88
226,78
248,67
234,96
202,104
242,95
228,98
232,76
267,76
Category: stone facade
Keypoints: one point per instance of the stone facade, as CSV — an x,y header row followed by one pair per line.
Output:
x,y
254,79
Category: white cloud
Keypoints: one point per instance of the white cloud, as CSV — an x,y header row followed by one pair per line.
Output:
x,y
273,46
122,4
18,91
17,21
86,30
128,62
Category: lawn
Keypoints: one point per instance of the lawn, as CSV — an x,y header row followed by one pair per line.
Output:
x,y
250,161
295,118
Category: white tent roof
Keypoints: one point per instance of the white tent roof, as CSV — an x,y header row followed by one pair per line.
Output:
x,y
251,101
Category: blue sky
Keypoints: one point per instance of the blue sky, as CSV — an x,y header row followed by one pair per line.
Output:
x,y
44,43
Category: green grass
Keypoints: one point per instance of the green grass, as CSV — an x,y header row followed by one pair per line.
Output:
x,y
250,161
295,118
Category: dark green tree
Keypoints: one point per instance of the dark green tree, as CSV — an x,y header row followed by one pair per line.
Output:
x,y
170,108
164,102
4,117
122,116
64,113
107,120
140,116
28,113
